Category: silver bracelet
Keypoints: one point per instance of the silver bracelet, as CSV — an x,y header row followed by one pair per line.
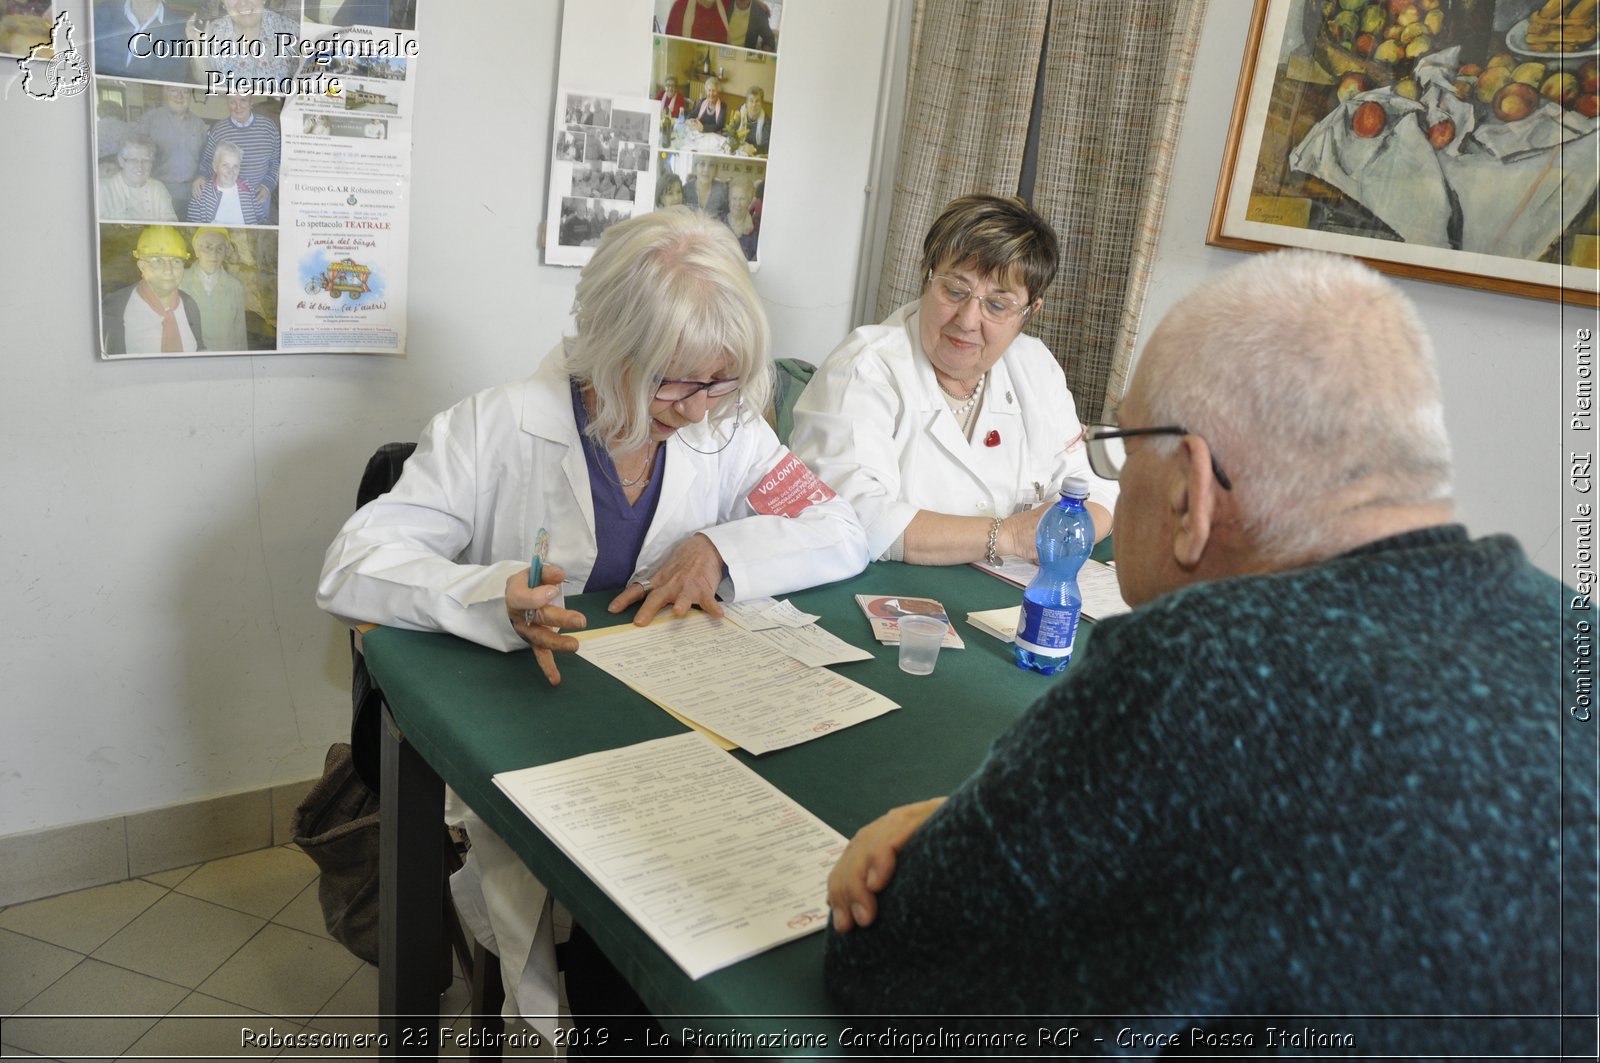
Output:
x,y
992,557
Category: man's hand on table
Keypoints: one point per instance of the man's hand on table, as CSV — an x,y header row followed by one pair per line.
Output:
x,y
868,863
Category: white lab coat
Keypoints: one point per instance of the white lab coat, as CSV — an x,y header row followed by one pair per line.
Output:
x,y
434,554
875,427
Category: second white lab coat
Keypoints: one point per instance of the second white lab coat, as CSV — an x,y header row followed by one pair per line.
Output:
x,y
875,426
434,554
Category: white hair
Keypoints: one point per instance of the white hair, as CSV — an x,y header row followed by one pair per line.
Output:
x,y
667,291
1312,380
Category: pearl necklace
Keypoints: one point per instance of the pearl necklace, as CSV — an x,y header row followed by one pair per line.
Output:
x,y
971,400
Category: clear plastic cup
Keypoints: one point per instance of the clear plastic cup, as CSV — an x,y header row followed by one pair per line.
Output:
x,y
920,639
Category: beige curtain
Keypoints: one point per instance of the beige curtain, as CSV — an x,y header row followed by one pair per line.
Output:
x,y
968,95
1116,77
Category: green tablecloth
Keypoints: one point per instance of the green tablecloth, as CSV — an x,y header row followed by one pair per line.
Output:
x,y
472,712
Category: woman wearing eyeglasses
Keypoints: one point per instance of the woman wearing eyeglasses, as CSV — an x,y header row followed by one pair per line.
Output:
x,y
945,426
636,447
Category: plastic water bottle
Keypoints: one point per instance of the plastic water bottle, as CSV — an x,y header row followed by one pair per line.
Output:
x,y
1052,602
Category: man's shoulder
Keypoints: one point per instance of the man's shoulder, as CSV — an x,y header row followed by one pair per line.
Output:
x,y
1404,596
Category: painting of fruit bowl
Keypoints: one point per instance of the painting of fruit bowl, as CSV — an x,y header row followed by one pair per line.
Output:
x,y
1452,140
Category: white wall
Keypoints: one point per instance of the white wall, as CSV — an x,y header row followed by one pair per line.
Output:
x,y
1501,357
164,520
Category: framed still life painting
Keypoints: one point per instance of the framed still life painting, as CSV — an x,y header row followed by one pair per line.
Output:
x,y
1451,140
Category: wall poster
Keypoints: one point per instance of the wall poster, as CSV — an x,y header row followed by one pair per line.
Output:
x,y
23,25
600,170
710,95
252,175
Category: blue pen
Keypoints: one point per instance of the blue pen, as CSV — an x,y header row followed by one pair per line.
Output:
x,y
541,552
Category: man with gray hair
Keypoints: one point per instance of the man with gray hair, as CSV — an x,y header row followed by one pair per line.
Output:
x,y
1324,774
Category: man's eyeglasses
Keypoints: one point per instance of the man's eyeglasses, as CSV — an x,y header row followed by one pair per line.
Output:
x,y
1107,453
954,293
679,390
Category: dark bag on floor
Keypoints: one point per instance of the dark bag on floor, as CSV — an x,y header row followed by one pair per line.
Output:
x,y
337,826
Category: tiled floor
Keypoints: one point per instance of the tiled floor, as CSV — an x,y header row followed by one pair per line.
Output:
x,y
182,964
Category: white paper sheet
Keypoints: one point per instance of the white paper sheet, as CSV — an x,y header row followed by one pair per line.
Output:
x,y
651,825
731,681
1097,582
760,614
814,646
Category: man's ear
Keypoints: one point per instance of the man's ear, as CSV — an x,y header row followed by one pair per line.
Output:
x,y
1193,498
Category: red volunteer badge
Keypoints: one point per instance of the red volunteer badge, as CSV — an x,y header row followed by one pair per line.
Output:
x,y
788,490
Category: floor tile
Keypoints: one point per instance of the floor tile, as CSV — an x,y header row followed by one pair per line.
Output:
x,y
205,1028
304,913
82,921
28,967
180,939
283,972
354,1008
259,883
173,877
75,1004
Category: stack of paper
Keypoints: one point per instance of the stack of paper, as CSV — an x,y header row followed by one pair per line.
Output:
x,y
884,612
1001,623
1096,581
711,860
733,683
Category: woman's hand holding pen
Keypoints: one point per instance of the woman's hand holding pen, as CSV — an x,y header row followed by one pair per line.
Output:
x,y
538,621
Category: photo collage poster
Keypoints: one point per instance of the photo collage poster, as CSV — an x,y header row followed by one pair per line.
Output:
x,y
600,170
25,29
714,65
709,103
252,165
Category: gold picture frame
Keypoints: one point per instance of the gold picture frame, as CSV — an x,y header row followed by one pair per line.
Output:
x,y
1506,204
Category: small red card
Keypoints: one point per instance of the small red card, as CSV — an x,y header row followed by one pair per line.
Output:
x,y
789,489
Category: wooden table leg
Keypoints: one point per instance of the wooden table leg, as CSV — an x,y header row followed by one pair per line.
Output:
x,y
411,899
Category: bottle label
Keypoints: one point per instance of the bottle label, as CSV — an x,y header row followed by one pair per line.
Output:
x,y
1046,630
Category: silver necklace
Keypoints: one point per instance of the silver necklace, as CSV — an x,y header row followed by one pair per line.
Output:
x,y
644,477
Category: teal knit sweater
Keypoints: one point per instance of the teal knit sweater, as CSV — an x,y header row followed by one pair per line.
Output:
x,y
1315,800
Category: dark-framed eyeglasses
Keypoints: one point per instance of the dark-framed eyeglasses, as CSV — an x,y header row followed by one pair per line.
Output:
x,y
1107,453
954,293
679,390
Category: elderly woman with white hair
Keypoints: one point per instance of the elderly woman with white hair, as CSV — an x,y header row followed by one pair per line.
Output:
x,y
638,446
224,198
